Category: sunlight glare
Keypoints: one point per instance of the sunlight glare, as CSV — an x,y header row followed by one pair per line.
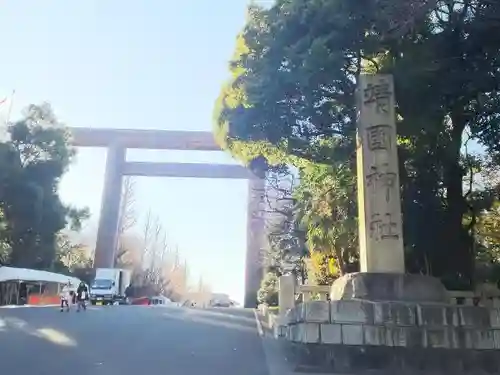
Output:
x,y
55,336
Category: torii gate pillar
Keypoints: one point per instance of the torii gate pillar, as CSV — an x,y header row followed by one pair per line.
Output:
x,y
107,232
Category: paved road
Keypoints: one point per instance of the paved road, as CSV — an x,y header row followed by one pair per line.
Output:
x,y
130,340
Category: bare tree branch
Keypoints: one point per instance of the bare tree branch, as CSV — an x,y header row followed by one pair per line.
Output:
x,y
146,236
128,217
126,220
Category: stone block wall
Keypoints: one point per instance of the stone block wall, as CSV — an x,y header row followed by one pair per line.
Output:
x,y
458,338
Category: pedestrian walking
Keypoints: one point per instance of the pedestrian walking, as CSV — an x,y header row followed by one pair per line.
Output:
x,y
65,297
82,295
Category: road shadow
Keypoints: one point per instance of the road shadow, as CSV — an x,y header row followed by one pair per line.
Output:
x,y
131,340
33,341
33,350
226,339
224,318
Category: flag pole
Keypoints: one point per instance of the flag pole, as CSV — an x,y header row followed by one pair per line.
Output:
x,y
10,108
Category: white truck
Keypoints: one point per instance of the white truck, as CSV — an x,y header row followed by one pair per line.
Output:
x,y
109,286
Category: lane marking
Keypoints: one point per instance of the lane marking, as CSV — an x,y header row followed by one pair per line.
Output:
x,y
259,325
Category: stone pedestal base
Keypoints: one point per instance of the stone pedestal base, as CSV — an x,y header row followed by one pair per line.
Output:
x,y
373,360
363,337
388,287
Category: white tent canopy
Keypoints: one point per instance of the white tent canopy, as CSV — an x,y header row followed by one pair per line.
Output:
x,y
24,274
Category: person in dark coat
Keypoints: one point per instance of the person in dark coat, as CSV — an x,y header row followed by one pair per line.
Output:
x,y
82,294
129,293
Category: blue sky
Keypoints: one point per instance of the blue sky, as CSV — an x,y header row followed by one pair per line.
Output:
x,y
153,64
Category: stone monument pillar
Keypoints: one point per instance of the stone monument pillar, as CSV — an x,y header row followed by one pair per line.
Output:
x,y
255,239
110,208
379,202
382,276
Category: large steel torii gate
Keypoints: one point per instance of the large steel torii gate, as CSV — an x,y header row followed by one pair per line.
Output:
x,y
117,141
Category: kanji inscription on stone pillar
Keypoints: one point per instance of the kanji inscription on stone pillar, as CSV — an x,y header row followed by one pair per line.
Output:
x,y
380,222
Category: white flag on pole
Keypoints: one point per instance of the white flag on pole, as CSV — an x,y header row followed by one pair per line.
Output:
x,y
5,112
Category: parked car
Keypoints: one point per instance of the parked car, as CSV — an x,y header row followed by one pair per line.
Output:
x,y
221,303
221,300
161,300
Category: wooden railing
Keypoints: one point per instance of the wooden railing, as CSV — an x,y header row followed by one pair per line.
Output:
x,y
305,293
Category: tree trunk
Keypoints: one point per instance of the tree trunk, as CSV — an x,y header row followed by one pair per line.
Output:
x,y
453,179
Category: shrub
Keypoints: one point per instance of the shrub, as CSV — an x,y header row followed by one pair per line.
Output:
x,y
268,292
